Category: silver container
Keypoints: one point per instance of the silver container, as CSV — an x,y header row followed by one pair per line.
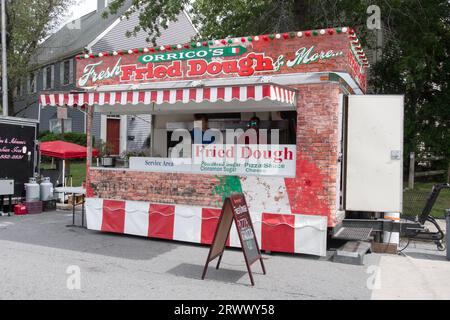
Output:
x,y
46,190
108,161
32,189
6,187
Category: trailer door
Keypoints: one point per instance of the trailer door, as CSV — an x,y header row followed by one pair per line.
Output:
x,y
374,153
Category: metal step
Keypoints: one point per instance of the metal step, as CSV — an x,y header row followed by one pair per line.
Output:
x,y
353,233
353,252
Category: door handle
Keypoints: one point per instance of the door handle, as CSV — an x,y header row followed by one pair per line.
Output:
x,y
396,155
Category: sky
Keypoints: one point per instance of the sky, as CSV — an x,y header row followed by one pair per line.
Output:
x,y
79,9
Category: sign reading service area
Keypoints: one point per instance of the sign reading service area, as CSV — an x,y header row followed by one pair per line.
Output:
x,y
232,160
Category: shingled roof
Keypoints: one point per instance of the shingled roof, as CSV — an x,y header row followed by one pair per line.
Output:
x,y
75,36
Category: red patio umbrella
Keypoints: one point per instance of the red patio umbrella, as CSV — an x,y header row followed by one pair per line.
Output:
x,y
64,150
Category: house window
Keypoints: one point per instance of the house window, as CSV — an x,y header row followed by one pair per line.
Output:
x,y
56,125
66,72
32,83
49,77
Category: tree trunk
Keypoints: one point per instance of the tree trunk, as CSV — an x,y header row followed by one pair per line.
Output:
x,y
10,100
301,10
8,46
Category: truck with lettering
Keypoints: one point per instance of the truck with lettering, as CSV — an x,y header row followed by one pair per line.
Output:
x,y
18,156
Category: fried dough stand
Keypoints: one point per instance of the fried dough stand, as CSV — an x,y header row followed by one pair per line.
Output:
x,y
294,83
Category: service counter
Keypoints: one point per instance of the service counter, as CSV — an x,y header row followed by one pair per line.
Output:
x,y
186,207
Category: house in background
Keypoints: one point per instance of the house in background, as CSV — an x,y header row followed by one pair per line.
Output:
x,y
55,70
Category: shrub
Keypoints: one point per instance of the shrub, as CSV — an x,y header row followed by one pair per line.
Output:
x,y
77,138
73,137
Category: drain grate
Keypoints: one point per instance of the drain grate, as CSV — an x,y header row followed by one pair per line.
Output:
x,y
347,233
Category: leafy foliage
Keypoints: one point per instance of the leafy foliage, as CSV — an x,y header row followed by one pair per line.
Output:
x,y
28,23
154,16
104,148
415,63
415,48
73,137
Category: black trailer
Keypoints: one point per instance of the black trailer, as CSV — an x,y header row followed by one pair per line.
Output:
x,y
18,151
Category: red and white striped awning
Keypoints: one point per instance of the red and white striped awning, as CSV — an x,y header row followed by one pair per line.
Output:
x,y
259,93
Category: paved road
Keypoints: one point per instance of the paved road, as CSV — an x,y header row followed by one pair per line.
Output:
x,y
36,251
421,272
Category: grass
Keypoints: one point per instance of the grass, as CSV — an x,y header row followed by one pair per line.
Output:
x,y
414,200
77,170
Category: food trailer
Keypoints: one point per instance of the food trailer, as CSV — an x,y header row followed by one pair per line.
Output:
x,y
324,149
18,160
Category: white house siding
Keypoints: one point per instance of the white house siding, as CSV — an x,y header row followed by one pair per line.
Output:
x,y
27,105
96,127
180,31
139,127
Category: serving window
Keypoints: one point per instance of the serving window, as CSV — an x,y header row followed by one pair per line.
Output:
x,y
247,143
192,139
272,128
225,129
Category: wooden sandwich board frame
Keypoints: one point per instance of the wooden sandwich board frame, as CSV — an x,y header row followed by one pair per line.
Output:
x,y
235,210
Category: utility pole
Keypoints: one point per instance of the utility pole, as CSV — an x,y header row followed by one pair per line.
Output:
x,y
4,63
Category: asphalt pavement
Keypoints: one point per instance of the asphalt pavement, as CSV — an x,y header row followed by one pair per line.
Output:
x,y
42,258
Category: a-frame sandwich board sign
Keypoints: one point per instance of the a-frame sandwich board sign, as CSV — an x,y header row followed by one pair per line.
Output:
x,y
235,209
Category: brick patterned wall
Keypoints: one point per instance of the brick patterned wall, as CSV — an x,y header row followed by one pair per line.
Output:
x,y
273,49
313,191
170,188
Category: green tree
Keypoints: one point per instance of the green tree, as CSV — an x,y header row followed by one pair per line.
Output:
x,y
28,23
223,18
415,48
218,18
415,62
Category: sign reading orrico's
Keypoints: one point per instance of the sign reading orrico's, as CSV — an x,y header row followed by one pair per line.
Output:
x,y
250,58
207,53
235,160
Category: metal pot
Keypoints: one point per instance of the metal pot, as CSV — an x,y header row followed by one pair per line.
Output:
x,y
108,161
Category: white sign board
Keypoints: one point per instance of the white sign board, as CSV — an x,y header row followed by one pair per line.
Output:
x,y
234,160
61,113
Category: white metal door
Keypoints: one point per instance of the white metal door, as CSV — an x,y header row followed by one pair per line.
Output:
x,y
374,153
